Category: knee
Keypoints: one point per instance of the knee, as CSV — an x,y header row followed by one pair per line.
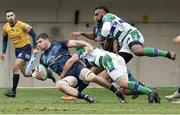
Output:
x,y
138,50
61,85
123,82
15,68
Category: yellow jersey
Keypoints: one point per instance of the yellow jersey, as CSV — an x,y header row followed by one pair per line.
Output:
x,y
18,33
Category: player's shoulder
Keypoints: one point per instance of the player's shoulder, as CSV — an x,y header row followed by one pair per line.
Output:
x,y
108,17
108,14
57,41
21,23
5,25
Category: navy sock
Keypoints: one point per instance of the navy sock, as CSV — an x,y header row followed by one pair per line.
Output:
x,y
113,89
15,82
81,96
82,86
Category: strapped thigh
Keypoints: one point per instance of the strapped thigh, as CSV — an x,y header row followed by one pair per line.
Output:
x,y
86,75
70,80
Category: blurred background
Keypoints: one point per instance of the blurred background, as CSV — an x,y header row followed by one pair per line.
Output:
x,y
158,21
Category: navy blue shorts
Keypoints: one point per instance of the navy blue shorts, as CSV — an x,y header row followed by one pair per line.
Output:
x,y
75,71
24,52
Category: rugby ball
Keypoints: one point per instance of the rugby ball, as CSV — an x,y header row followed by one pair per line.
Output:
x,y
41,68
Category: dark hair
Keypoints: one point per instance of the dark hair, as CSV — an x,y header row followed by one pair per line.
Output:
x,y
9,11
102,7
43,36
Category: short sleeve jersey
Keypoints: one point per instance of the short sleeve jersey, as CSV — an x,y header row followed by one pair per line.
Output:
x,y
56,56
119,28
97,57
17,33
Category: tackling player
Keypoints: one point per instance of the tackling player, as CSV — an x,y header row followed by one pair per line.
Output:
x,y
96,36
114,65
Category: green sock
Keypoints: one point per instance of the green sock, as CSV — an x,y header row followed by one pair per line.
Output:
x,y
131,77
138,88
154,52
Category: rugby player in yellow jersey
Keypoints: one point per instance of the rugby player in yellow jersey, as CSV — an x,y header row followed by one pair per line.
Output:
x,y
18,32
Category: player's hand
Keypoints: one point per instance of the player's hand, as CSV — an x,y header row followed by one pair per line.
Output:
x,y
74,35
38,74
89,48
176,40
2,56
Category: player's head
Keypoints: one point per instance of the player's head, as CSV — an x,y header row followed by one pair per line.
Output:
x,y
99,12
43,41
10,16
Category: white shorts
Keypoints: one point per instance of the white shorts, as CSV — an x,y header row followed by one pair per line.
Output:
x,y
129,39
119,67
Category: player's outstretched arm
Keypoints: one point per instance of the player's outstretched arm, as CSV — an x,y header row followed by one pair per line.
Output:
x,y
89,35
80,43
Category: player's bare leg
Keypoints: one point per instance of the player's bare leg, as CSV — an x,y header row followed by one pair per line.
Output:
x,y
67,85
19,63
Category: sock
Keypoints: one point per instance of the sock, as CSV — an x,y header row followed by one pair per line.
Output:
x,y
178,90
154,52
82,86
15,82
131,77
113,89
81,96
138,88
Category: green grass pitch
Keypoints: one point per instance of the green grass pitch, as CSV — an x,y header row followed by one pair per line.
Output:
x,y
48,101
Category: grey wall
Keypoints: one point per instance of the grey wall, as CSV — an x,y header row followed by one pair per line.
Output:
x,y
163,24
